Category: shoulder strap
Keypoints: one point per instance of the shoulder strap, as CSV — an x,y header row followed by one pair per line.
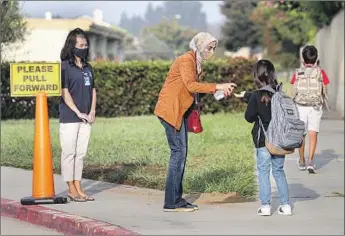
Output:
x,y
268,88
261,126
197,101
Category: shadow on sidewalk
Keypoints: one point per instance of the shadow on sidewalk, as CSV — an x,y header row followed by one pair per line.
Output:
x,y
325,157
110,177
91,187
298,193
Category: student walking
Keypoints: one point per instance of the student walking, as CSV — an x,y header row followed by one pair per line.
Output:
x,y
309,92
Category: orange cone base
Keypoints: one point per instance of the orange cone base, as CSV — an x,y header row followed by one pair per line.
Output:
x,y
36,201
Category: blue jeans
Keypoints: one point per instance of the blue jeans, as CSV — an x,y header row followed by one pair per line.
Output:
x,y
264,161
178,143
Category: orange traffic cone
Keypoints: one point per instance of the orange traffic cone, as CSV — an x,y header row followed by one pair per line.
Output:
x,y
43,180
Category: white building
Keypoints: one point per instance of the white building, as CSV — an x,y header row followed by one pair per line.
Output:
x,y
45,39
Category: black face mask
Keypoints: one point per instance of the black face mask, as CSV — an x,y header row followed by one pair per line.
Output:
x,y
81,53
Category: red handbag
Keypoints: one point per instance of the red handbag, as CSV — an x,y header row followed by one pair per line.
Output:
x,y
193,120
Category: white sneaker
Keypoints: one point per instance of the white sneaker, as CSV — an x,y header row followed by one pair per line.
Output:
x,y
285,210
264,210
300,165
311,167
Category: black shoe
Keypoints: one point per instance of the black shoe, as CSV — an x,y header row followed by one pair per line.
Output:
x,y
190,204
186,208
193,205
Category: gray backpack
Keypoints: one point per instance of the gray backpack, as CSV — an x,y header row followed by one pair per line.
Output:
x,y
285,130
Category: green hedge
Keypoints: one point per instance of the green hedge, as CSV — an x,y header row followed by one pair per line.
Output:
x,y
131,88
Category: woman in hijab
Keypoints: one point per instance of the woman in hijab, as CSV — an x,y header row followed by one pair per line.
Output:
x,y
175,98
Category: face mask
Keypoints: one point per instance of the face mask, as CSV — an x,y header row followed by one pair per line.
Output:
x,y
81,53
206,55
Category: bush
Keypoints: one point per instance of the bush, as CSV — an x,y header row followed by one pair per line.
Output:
x,y
132,88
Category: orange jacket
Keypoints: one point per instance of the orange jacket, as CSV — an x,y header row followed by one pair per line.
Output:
x,y
176,95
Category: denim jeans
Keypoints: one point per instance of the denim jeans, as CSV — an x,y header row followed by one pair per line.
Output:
x,y
264,162
178,143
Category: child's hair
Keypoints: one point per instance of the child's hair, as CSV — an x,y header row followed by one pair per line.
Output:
x,y
264,74
309,54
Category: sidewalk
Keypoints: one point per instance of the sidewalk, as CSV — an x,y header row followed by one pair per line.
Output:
x,y
318,200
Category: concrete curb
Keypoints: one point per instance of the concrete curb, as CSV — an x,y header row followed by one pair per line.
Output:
x,y
60,221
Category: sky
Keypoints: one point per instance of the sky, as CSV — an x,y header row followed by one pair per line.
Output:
x,y
111,9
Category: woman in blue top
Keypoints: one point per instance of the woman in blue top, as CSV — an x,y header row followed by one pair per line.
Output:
x,y
77,110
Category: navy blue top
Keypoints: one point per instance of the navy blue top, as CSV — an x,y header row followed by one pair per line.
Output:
x,y
80,83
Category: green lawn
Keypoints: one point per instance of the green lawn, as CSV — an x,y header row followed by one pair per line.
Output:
x,y
134,150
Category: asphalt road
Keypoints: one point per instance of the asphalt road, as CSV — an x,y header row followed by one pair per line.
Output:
x,y
11,226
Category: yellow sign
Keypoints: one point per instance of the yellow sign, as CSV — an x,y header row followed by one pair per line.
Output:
x,y
27,79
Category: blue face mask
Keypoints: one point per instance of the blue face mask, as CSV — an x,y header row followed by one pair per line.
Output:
x,y
81,53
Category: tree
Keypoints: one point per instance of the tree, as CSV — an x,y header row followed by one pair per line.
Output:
x,y
281,27
124,21
175,36
322,12
288,25
170,10
132,25
189,12
12,25
153,16
238,30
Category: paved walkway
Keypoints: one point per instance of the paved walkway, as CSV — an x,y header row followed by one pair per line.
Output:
x,y
318,200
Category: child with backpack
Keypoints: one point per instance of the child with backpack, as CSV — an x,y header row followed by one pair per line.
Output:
x,y
277,131
309,92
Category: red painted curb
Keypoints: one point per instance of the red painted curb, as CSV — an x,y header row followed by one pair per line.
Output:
x,y
60,221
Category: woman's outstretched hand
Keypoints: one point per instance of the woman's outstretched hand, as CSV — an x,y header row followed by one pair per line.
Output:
x,y
226,88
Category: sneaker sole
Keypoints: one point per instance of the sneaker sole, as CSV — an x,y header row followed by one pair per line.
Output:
x,y
284,214
264,214
311,171
179,210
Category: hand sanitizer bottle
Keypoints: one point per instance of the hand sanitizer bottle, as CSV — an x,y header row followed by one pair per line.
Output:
x,y
219,94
